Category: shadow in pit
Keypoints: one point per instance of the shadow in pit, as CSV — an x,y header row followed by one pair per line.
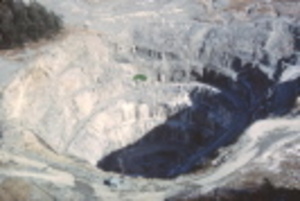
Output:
x,y
170,145
189,139
264,192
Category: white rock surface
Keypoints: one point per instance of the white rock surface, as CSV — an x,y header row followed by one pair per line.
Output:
x,y
75,98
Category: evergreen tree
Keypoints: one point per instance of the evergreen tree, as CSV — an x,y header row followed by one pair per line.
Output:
x,y
20,23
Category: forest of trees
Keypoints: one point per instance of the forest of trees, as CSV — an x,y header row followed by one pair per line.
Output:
x,y
21,23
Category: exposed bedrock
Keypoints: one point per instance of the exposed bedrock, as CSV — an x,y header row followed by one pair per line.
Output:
x,y
201,95
208,74
205,84
253,69
187,140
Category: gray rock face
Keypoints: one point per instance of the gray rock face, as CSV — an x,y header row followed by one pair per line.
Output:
x,y
214,74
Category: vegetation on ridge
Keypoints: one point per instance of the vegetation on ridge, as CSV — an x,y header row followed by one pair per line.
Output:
x,y
21,23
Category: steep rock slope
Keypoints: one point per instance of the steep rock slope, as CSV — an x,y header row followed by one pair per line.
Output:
x,y
215,73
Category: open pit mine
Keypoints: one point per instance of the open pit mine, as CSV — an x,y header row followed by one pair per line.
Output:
x,y
150,100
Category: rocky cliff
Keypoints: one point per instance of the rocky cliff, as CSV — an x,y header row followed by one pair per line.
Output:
x,y
153,100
